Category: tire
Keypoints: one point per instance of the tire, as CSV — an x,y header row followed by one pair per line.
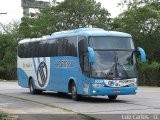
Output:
x,y
74,94
112,97
32,88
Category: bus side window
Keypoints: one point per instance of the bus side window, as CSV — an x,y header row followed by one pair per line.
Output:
x,y
52,47
82,45
70,46
36,48
41,48
61,47
26,50
21,50
32,49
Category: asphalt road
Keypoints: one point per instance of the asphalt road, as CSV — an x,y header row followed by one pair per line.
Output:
x,y
146,101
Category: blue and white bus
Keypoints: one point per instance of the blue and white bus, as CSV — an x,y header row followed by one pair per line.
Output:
x,y
81,62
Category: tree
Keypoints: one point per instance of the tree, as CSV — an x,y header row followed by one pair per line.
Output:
x,y
8,50
66,15
143,23
129,4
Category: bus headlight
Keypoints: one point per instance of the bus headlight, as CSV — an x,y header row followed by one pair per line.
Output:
x,y
98,85
133,84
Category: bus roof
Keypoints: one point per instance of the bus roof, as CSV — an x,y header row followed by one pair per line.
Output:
x,y
89,32
80,31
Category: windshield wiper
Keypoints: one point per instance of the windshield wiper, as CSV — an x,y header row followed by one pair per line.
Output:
x,y
110,72
114,68
121,66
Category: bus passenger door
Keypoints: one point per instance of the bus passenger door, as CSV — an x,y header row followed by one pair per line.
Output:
x,y
86,73
84,64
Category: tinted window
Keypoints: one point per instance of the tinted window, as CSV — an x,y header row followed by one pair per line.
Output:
x,y
41,50
20,50
38,49
23,50
111,43
26,50
70,47
61,46
82,45
32,49
52,47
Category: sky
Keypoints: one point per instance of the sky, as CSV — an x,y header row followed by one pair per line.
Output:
x,y
15,12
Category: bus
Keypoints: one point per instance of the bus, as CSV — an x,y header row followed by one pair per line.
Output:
x,y
80,62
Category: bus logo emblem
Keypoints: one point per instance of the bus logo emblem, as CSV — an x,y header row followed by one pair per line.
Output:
x,y
111,83
42,74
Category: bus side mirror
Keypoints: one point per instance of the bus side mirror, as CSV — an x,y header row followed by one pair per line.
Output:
x,y
91,55
142,53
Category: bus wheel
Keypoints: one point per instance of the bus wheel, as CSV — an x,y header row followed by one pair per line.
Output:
x,y
112,97
74,94
32,88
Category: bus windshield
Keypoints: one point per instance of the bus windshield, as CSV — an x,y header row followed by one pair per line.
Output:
x,y
111,42
113,58
114,64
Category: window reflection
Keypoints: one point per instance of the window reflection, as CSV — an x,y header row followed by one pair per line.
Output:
x,y
111,43
114,64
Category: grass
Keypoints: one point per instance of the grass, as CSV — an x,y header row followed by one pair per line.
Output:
x,y
4,116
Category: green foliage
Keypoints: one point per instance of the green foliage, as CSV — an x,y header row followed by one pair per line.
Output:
x,y
66,15
149,74
143,23
4,116
7,57
135,3
8,51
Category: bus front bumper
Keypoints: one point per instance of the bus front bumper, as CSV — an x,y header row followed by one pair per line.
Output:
x,y
95,91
